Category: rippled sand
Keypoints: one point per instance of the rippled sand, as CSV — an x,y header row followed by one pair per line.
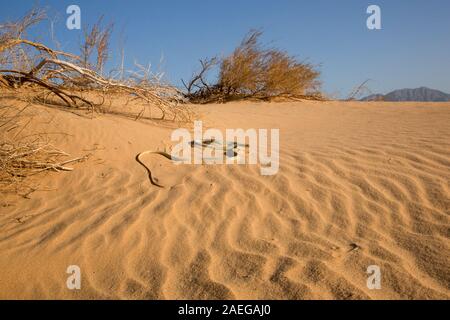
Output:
x,y
359,184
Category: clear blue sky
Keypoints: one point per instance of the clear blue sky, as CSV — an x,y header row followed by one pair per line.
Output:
x,y
412,49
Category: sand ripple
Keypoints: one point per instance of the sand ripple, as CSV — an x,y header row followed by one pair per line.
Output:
x,y
353,196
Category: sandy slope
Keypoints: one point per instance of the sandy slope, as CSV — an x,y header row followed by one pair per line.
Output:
x,y
359,184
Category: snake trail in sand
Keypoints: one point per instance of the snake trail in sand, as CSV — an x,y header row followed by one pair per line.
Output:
x,y
229,150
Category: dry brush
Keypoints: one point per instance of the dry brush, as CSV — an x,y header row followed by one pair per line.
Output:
x,y
254,72
67,81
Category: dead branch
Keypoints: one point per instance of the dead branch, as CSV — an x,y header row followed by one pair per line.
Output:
x,y
67,76
359,90
197,79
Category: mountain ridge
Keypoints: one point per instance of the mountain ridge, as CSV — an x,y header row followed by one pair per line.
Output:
x,y
422,94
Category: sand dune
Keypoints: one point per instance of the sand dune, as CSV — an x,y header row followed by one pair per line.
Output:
x,y
359,184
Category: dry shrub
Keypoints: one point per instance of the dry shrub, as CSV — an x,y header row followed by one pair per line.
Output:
x,y
33,70
252,71
66,77
96,39
243,71
286,76
24,154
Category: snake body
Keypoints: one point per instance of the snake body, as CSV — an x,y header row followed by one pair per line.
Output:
x,y
153,181
228,149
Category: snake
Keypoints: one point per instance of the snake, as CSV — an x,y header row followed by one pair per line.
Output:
x,y
204,143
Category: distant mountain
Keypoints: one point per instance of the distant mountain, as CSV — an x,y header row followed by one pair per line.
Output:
x,y
374,97
419,94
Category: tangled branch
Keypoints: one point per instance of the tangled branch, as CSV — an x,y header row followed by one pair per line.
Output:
x,y
66,75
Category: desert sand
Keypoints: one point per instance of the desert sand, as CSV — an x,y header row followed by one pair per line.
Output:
x,y
359,184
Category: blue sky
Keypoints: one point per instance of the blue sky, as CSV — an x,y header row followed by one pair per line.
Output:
x,y
411,50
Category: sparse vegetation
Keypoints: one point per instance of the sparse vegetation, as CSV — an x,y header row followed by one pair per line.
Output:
x,y
96,39
78,83
252,71
66,76
24,154
67,81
